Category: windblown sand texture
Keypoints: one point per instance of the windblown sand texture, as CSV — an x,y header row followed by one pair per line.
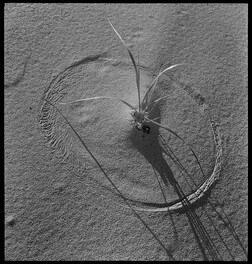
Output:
x,y
59,203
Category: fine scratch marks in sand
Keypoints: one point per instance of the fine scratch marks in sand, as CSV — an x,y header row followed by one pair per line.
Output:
x,y
57,136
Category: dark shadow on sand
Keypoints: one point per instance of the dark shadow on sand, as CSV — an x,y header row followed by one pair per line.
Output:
x,y
153,147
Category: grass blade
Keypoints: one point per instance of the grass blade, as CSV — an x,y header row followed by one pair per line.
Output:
x,y
155,102
133,61
153,84
174,133
101,97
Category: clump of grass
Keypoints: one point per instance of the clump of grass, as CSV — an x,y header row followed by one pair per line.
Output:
x,y
141,113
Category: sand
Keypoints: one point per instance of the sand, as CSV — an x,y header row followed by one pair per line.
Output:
x,y
59,203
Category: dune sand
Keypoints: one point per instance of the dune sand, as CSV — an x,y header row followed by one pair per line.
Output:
x,y
59,203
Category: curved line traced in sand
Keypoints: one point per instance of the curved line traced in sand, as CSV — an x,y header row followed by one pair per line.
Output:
x,y
47,121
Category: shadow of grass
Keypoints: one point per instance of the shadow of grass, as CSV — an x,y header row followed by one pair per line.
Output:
x,y
149,146
205,200
153,147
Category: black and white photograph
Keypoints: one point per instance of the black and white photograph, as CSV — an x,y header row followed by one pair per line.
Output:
x,y
125,132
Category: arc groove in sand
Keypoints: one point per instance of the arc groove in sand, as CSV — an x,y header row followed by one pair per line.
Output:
x,y
47,122
199,193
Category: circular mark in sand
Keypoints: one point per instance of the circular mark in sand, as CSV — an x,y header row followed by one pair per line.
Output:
x,y
158,170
